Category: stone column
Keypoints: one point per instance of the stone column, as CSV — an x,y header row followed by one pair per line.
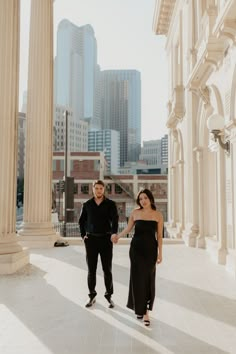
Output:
x,y
180,165
37,229
172,198
169,176
12,257
191,222
201,238
221,207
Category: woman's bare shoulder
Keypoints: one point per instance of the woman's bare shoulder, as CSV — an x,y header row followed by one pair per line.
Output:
x,y
159,216
135,213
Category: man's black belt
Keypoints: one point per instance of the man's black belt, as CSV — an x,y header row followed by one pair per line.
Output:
x,y
99,235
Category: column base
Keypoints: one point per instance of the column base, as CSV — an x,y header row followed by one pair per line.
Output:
x,y
231,262
222,254
37,235
10,244
10,263
217,254
190,236
201,243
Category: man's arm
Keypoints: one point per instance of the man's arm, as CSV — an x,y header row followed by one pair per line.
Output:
x,y
114,218
82,221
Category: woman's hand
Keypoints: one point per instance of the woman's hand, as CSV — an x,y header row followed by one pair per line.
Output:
x,y
159,259
114,238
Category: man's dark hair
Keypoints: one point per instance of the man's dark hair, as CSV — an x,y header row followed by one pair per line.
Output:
x,y
98,181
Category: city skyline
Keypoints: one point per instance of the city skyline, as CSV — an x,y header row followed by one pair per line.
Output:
x,y
125,41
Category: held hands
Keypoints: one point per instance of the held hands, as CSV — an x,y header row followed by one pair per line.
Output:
x,y
114,238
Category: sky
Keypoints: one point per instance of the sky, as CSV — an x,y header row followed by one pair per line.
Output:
x,y
125,40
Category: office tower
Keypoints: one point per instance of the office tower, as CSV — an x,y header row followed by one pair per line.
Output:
x,y
151,152
76,70
121,109
155,154
164,150
77,131
107,141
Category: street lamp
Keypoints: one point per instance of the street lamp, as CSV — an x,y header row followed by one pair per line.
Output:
x,y
215,124
66,113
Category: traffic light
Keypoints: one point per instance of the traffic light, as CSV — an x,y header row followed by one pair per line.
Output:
x,y
60,186
69,199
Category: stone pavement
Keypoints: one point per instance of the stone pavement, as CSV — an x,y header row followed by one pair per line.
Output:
x,y
42,306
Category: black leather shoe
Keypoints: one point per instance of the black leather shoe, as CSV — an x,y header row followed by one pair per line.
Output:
x,y
90,302
111,303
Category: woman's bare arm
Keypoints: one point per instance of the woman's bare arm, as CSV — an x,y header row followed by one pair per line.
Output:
x,y
124,232
160,236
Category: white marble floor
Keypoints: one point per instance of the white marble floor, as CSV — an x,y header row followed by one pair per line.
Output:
x,y
42,307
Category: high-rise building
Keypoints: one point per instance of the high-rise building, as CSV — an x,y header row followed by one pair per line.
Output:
x,y
107,141
121,109
76,70
77,131
151,152
155,153
164,150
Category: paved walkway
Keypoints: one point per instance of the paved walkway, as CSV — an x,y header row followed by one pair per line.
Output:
x,y
42,307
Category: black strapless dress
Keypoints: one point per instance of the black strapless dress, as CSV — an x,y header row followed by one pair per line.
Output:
x,y
143,257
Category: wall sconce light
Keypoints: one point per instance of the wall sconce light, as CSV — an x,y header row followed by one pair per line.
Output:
x,y
215,124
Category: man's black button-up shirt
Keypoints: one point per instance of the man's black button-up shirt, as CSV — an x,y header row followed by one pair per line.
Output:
x,y
98,219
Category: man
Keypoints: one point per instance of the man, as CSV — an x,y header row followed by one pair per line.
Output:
x,y
98,223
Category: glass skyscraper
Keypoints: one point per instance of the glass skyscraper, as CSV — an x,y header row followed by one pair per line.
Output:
x,y
121,109
76,70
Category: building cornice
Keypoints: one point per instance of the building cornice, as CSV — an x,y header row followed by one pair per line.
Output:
x,y
225,25
162,16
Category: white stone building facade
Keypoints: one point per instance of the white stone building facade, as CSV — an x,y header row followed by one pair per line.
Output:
x,y
201,54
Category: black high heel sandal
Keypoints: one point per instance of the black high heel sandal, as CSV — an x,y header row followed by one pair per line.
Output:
x,y
139,317
146,322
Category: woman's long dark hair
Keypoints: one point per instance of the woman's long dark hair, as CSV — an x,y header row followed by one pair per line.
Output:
x,y
150,197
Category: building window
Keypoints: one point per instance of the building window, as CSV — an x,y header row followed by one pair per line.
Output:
x,y
54,165
108,188
84,188
118,189
62,166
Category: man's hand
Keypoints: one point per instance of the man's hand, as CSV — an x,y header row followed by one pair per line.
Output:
x,y
114,238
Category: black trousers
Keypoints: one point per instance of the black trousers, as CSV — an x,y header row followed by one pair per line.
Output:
x,y
103,246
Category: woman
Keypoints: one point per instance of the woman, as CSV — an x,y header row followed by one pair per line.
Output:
x,y
145,252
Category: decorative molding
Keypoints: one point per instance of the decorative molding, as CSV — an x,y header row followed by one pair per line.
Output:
x,y
199,153
180,162
225,26
176,106
162,16
232,132
203,92
228,30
